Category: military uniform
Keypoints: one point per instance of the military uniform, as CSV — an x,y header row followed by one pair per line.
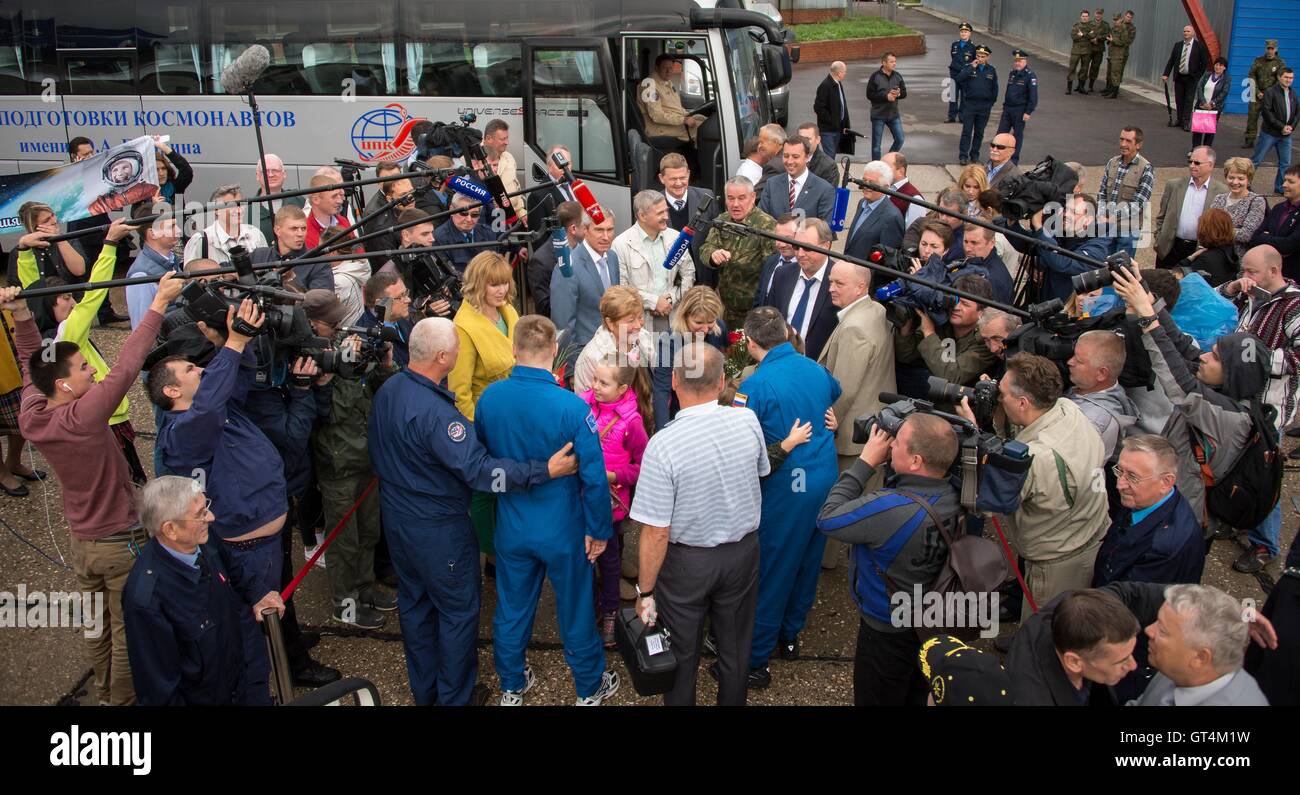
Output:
x,y
963,52
1097,50
1020,100
979,85
739,279
1080,53
1121,38
1263,71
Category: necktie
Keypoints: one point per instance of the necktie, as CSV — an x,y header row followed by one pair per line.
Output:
x,y
802,307
604,272
1187,53
792,193
863,211
204,571
678,205
844,105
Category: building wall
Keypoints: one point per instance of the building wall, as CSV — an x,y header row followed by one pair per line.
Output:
x,y
1255,21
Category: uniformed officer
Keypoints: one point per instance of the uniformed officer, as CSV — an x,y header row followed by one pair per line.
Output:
x,y
1020,100
556,530
428,461
963,52
784,388
979,85
1263,72
1121,38
1080,51
184,604
1097,47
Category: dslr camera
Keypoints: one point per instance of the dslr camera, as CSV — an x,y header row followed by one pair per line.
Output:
x,y
983,398
1098,278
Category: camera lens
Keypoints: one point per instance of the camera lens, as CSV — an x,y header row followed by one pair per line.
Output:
x,y
943,391
1092,280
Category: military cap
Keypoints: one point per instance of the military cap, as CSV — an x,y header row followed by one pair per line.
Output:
x,y
965,26
983,50
960,675
1270,43
1017,53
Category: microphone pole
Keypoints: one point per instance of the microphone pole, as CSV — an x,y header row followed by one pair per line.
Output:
x,y
257,131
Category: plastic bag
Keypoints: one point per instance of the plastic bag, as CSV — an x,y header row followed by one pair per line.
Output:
x,y
1202,312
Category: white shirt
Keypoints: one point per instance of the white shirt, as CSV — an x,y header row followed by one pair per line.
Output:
x,y
673,200
840,314
220,243
750,170
812,299
799,183
1193,204
601,263
914,211
1193,696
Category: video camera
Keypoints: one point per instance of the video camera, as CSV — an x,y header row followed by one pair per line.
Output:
x,y
430,277
1054,336
453,140
285,321
1096,279
1024,195
983,397
344,361
903,297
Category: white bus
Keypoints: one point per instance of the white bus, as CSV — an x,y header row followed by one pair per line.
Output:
x,y
348,76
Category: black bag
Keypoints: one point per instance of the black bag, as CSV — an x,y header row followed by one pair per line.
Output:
x,y
1245,496
647,653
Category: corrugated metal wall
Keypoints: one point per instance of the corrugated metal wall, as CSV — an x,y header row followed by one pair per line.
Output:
x,y
1257,20
1047,23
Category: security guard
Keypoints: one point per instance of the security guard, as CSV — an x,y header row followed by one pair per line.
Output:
x,y
1121,38
1263,72
184,604
1097,47
1020,101
963,52
979,86
556,530
428,461
1080,50
786,387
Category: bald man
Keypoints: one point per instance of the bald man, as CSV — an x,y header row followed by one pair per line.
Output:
x,y
1001,151
832,108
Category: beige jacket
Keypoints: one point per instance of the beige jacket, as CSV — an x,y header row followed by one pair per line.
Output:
x,y
662,107
640,271
860,354
509,173
1050,525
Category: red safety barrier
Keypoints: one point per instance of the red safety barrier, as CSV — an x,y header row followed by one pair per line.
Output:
x,y
293,584
1006,548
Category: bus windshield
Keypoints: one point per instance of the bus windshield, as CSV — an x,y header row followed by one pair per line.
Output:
x,y
752,106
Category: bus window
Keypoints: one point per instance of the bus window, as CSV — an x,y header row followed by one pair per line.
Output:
x,y
752,105
452,67
95,73
571,106
171,53
13,67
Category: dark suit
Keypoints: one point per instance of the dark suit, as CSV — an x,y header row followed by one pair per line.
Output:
x,y
832,113
678,220
1283,235
575,299
541,263
884,226
817,199
823,165
765,276
824,313
1185,84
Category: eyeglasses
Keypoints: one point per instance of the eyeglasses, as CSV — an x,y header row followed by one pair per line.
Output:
x,y
1192,162
203,514
998,146
1134,480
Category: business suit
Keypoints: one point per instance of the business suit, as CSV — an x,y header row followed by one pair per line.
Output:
x,y
1005,173
816,199
823,165
770,266
575,299
823,320
860,354
1171,204
832,114
1184,84
884,225
541,264
694,198
1240,691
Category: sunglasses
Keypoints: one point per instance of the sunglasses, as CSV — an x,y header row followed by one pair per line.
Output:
x,y
1192,162
470,213
999,146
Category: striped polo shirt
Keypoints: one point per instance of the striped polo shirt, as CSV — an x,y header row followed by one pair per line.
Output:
x,y
700,476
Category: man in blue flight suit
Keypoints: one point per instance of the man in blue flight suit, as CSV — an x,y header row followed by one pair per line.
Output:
x,y
787,387
428,461
1020,100
184,602
963,52
557,530
978,82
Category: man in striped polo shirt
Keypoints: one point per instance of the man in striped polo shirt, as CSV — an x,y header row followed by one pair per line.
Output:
x,y
698,500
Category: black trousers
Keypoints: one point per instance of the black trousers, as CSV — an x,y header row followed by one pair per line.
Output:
x,y
1180,250
1184,87
720,583
886,672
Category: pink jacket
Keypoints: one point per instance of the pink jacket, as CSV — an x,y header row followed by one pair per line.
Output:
x,y
623,444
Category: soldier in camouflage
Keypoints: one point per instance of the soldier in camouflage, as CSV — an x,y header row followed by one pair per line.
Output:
x,y
1080,51
1097,47
1263,73
738,257
1121,38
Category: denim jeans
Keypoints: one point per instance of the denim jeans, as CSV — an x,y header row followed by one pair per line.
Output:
x,y
1269,531
1266,142
878,132
831,143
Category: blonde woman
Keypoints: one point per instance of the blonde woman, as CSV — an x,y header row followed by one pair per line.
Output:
x,y
622,334
699,318
60,259
1246,207
485,324
972,181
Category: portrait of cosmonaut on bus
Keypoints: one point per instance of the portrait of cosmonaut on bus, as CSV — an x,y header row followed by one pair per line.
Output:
x,y
123,179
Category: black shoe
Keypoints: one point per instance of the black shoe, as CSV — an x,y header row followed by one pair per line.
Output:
x,y
376,599
963,160
788,649
1292,432
1068,89
112,317
315,675
359,616
950,121
758,679
1294,455
21,491
1253,560
37,474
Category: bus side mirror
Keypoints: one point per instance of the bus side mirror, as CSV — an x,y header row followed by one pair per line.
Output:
x,y
776,65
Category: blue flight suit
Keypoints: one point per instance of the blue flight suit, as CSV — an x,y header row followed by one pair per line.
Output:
x,y
428,461
785,387
541,532
963,52
1021,98
979,85
183,628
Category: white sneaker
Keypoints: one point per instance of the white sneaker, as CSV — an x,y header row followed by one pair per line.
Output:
x,y
609,682
307,551
515,698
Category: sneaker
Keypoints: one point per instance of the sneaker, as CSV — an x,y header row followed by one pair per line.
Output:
x,y
359,616
376,599
607,631
609,682
308,551
515,698
1253,560
788,649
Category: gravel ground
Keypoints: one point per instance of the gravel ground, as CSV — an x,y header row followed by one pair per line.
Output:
x,y
45,666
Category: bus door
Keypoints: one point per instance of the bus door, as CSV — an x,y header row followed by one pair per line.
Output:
x,y
571,99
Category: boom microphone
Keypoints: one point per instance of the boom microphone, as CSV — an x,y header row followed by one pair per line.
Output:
x,y
684,237
580,190
244,70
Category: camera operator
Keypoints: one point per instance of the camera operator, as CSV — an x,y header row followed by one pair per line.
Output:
x,y
290,232
1098,360
465,226
994,328
1062,516
388,303
896,546
413,267
953,351
1076,223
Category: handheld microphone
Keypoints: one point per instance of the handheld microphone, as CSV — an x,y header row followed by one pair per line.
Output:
x,y
684,237
244,70
560,245
468,187
580,191
496,189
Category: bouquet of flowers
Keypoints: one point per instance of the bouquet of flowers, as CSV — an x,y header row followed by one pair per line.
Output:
x,y
736,358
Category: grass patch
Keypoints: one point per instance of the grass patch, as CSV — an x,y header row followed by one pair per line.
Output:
x,y
849,28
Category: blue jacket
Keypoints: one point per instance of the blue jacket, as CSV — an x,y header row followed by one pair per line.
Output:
x,y
449,235
529,416
999,277
243,472
1166,547
401,353
786,386
1022,91
289,422
183,629
428,458
962,53
1059,268
979,86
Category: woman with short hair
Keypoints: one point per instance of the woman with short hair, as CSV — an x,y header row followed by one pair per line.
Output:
x,y
1246,207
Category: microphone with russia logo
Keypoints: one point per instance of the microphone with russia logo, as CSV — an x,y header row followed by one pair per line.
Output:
x,y
580,190
684,237
492,181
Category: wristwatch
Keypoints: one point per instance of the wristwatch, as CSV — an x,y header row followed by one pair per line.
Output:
x,y
644,594
1148,322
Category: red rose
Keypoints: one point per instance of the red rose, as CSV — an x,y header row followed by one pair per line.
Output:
x,y
734,337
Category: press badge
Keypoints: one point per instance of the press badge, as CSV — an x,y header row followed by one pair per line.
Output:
x,y
591,422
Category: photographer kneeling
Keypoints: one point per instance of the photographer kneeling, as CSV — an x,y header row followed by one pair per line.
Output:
x,y
896,546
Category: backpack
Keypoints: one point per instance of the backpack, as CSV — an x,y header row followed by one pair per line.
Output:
x,y
1245,496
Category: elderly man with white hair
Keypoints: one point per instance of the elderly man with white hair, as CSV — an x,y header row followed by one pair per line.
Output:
x,y
428,461
878,221
263,213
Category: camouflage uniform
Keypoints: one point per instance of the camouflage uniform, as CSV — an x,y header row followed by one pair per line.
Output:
x,y
1097,42
1080,52
739,279
1121,38
1264,72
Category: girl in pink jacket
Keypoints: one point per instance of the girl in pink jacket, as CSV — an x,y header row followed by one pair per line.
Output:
x,y
620,401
